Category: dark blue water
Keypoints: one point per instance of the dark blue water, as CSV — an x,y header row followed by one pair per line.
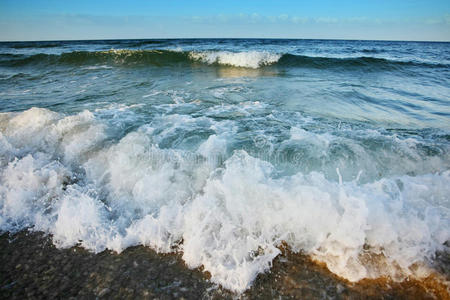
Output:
x,y
225,148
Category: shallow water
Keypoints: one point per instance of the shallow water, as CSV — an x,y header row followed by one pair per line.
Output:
x,y
222,150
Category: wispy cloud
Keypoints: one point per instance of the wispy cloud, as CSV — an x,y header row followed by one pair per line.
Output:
x,y
255,18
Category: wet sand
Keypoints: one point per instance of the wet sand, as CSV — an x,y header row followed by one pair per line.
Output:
x,y
31,267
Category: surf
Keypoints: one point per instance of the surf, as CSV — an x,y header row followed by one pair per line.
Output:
x,y
60,175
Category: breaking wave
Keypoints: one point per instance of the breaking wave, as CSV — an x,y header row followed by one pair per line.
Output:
x,y
249,59
63,175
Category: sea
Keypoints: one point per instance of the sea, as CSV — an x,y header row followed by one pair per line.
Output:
x,y
226,151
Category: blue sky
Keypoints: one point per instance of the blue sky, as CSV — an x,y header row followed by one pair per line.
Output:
x,y
382,19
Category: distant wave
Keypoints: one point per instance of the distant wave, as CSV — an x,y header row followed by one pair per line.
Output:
x,y
349,62
373,50
250,59
25,45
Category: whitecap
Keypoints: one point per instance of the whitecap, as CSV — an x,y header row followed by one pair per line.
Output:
x,y
250,59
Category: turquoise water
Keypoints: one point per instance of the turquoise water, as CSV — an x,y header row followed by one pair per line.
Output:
x,y
223,149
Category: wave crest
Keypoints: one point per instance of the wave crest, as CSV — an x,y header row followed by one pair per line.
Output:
x,y
251,59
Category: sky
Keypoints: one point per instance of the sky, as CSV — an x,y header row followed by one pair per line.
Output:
x,y
25,20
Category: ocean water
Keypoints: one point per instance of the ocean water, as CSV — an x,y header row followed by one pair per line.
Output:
x,y
224,150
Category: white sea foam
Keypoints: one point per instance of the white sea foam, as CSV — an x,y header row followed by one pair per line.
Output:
x,y
250,59
58,175
97,67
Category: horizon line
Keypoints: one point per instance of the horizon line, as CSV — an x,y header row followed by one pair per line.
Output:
x,y
223,38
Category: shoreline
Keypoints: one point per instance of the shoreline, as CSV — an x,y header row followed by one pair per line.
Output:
x,y
34,268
